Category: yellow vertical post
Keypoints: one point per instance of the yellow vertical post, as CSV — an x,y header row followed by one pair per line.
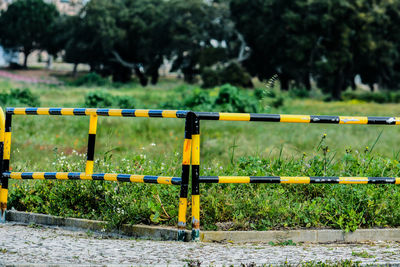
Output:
x,y
187,149
195,179
5,136
91,144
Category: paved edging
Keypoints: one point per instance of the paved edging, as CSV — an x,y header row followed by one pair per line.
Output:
x,y
137,231
169,233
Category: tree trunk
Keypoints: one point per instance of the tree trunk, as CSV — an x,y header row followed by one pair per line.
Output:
x,y
307,82
142,78
26,54
284,79
188,76
338,85
353,84
154,77
49,62
371,87
75,70
153,69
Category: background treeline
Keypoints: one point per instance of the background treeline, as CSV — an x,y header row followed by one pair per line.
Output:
x,y
224,41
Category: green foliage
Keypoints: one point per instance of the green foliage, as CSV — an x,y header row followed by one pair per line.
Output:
x,y
210,77
236,75
378,97
233,74
299,93
101,99
19,97
231,99
246,207
90,79
228,99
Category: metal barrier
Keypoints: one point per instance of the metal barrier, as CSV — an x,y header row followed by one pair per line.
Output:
x,y
197,179
5,149
190,156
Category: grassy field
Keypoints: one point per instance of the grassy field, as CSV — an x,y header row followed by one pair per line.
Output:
x,y
153,146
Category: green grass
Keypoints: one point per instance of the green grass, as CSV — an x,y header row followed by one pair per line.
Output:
x,y
362,254
153,146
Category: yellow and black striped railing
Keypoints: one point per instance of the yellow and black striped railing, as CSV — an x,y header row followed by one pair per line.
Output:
x,y
152,113
297,180
130,178
297,118
222,116
94,113
190,156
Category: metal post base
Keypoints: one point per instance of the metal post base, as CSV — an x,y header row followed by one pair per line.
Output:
x,y
3,216
195,235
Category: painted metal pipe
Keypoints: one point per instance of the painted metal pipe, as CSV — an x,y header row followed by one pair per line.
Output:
x,y
298,118
5,166
298,180
2,130
91,144
187,150
99,112
132,178
223,116
195,179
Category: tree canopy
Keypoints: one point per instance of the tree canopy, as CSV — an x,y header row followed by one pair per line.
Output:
x,y
25,25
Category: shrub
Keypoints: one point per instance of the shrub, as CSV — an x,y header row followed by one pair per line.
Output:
x,y
260,93
299,93
100,99
19,97
378,97
277,102
90,79
231,99
210,78
233,74
198,98
125,102
236,75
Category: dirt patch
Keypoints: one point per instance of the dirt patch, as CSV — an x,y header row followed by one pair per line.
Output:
x,y
32,75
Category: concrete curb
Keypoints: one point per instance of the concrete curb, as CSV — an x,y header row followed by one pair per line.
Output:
x,y
137,231
169,233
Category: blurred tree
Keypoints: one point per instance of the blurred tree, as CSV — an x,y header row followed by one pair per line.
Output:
x,y
280,35
202,35
25,25
329,40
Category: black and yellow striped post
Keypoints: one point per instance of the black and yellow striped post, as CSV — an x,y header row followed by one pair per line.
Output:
x,y
195,179
5,165
187,150
2,127
91,144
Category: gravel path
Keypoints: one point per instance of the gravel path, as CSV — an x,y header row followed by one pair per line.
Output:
x,y
22,244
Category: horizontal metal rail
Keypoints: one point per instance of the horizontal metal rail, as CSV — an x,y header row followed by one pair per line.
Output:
x,y
297,118
148,179
298,180
222,116
98,112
